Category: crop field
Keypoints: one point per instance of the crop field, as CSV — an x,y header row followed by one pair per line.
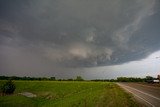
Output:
x,y
68,94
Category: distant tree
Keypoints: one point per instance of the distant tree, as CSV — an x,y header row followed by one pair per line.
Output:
x,y
70,79
39,79
53,78
79,78
158,77
149,78
4,78
111,80
59,79
44,78
8,87
122,79
129,79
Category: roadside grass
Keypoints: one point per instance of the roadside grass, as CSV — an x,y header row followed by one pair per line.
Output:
x,y
68,94
114,96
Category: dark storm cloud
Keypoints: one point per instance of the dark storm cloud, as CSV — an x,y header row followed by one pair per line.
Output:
x,y
76,33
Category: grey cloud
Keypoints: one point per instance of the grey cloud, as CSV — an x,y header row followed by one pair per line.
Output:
x,y
79,33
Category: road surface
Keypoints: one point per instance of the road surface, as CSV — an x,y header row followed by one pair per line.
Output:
x,y
148,95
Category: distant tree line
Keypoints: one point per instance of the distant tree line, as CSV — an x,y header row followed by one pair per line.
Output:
x,y
26,78
78,78
128,79
104,80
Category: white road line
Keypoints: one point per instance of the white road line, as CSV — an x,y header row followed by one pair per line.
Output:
x,y
139,97
143,92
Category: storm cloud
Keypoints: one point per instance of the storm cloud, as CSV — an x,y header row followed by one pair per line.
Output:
x,y
47,35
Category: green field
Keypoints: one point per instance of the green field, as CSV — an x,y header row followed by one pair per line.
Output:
x,y
68,94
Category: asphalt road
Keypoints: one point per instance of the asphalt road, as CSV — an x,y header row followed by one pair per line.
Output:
x,y
148,95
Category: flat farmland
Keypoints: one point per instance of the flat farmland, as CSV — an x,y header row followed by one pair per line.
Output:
x,y
68,94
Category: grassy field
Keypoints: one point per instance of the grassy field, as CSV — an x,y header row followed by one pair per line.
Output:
x,y
68,94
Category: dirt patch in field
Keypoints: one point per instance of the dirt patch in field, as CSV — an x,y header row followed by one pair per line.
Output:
x,y
48,95
28,94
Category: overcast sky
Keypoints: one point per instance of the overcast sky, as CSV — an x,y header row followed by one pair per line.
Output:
x,y
91,38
